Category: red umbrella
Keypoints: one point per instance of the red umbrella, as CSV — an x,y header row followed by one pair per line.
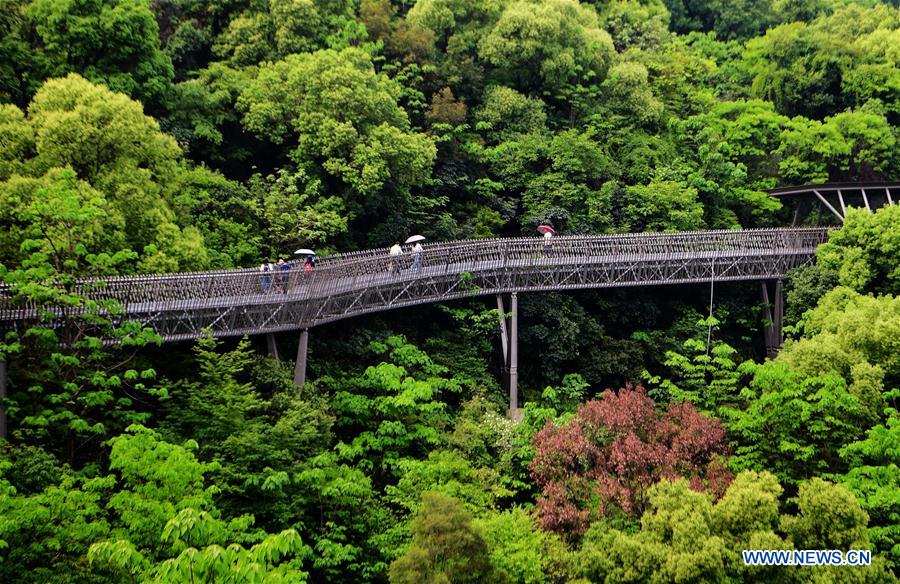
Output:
x,y
546,229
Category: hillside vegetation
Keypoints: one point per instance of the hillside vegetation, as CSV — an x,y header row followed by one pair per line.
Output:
x,y
657,443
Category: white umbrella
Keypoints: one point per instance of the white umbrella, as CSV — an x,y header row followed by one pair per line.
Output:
x,y
414,238
305,252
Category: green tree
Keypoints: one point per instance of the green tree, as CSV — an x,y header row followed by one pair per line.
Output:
x,y
862,255
348,129
450,474
855,337
114,42
548,44
271,30
519,550
256,439
852,143
727,18
804,68
685,537
394,411
109,143
704,374
660,206
505,114
294,211
446,546
746,133
72,389
865,253
794,424
21,68
874,477
152,518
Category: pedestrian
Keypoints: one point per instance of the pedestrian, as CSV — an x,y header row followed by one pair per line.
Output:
x,y
266,268
416,257
548,235
394,262
283,276
309,265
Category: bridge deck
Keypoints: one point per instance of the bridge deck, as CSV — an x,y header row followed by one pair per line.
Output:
x,y
237,302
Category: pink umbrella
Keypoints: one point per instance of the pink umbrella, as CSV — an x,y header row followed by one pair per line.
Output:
x,y
546,229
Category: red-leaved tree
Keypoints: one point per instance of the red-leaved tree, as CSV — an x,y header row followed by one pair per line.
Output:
x,y
603,460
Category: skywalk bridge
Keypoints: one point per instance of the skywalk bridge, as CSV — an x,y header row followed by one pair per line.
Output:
x,y
243,302
247,302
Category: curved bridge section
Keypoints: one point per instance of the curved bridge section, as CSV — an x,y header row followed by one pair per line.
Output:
x,y
239,302
836,198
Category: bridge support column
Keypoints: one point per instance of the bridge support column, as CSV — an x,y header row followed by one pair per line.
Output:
x,y
514,356
504,338
272,347
772,332
3,427
300,365
779,312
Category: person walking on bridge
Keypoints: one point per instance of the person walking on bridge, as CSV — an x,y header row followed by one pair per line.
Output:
x,y
266,268
416,257
309,265
283,277
548,235
395,254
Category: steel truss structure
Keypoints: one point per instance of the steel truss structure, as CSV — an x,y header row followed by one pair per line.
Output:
x,y
838,197
243,302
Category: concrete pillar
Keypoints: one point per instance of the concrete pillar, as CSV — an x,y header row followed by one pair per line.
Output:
x,y
504,338
3,428
774,315
779,313
514,355
769,327
272,347
300,365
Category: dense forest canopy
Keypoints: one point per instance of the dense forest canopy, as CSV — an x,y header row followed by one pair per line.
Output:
x,y
656,440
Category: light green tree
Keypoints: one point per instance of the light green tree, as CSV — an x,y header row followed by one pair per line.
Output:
x,y
109,143
73,389
865,253
685,537
793,424
548,44
344,124
446,546
874,477
519,550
